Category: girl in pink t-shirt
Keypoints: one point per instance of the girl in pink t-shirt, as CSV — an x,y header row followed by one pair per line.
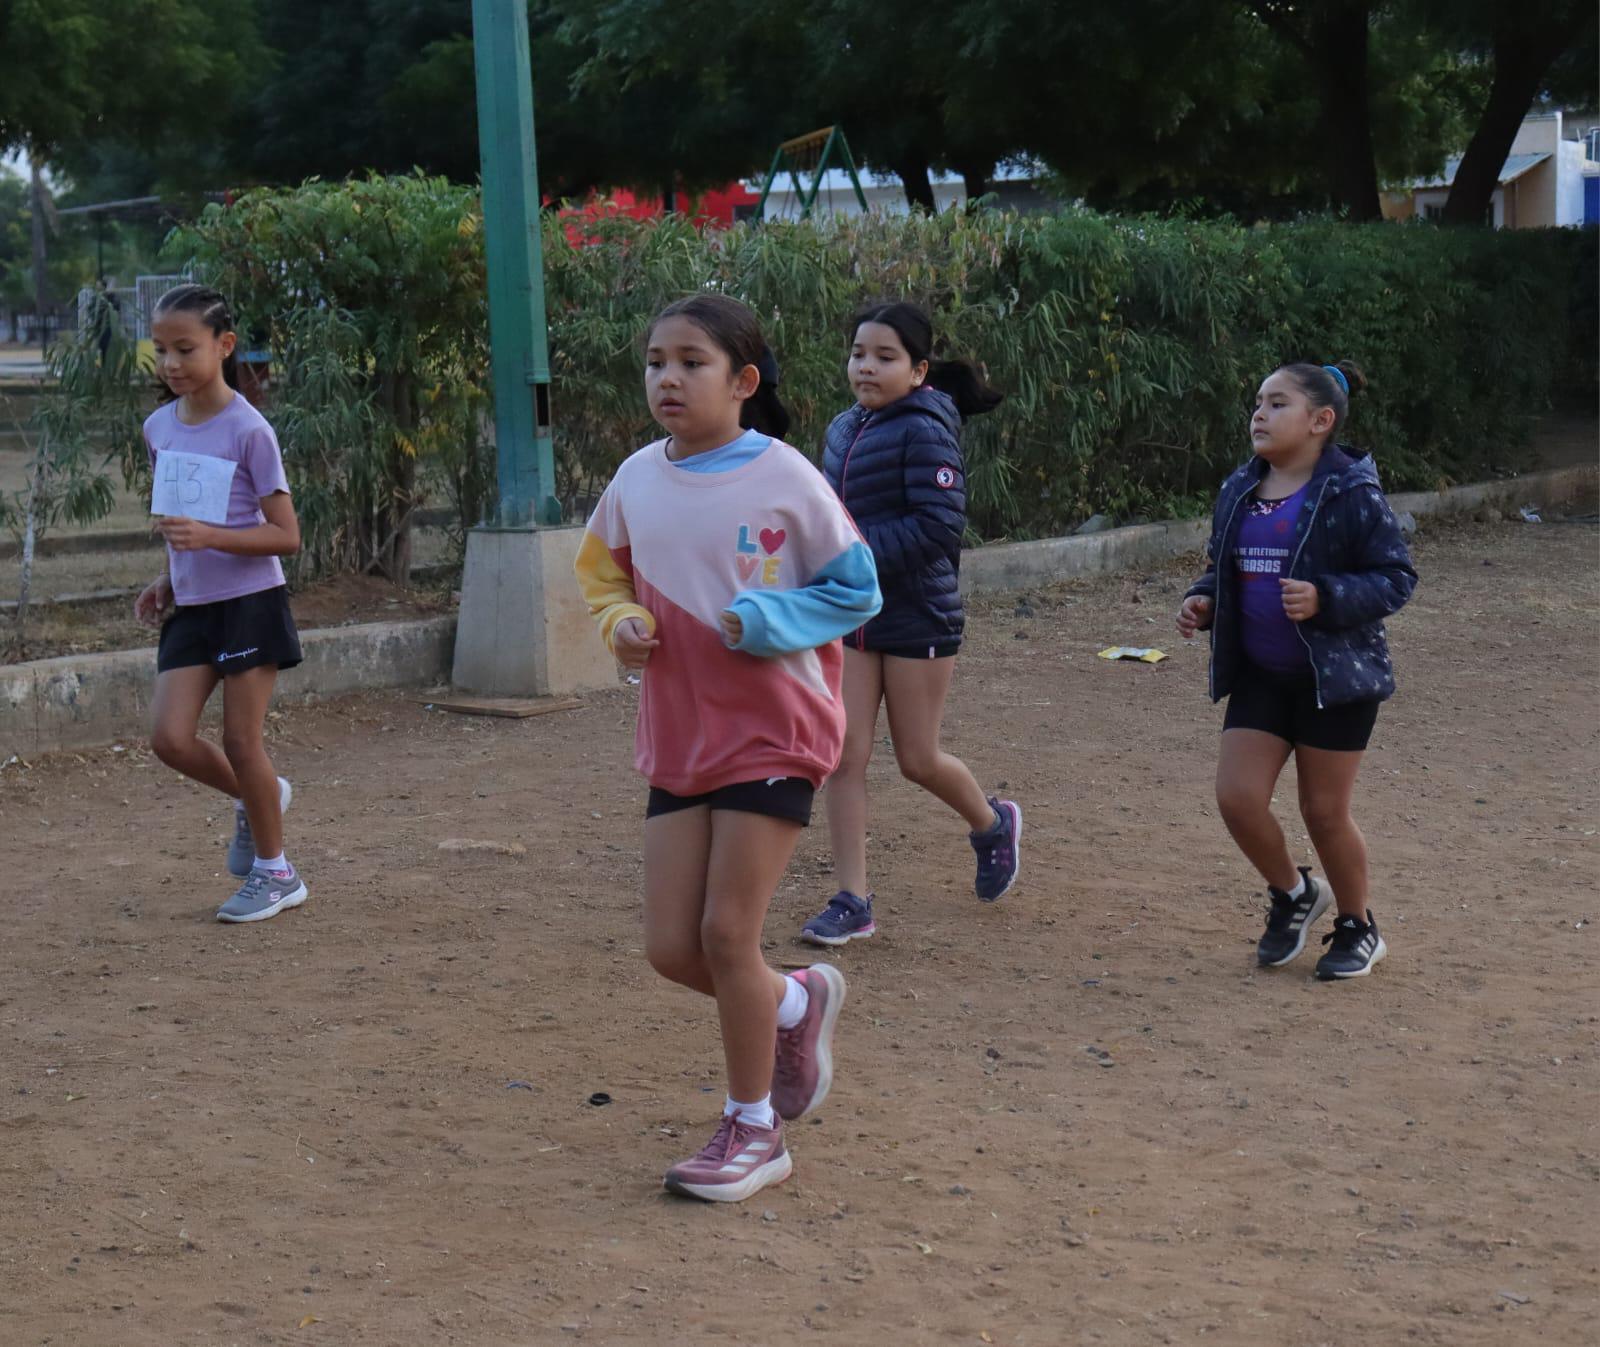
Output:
x,y
221,601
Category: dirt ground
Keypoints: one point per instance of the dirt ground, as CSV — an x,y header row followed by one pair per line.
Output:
x,y
367,1122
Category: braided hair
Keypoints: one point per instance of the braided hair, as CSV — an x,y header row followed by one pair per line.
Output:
x,y
211,308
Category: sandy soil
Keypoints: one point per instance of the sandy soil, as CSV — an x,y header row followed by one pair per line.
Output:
x,y
366,1122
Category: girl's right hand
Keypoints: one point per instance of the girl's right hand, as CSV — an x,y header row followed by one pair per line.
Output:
x,y
632,643
150,608
1195,615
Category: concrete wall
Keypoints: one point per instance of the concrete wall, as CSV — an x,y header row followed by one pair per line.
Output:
x,y
82,700
1014,566
1570,160
77,701
525,629
1539,133
1536,197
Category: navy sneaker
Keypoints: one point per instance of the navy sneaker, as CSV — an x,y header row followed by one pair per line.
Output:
x,y
1290,921
845,918
1356,947
999,851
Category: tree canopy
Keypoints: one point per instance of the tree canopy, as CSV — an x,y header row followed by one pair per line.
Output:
x,y
1259,107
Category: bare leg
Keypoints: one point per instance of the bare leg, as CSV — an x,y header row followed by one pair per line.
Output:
x,y
244,711
749,853
845,798
1247,769
915,692
677,850
1327,782
180,697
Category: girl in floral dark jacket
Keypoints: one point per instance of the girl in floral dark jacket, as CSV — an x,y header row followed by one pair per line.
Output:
x,y
1306,562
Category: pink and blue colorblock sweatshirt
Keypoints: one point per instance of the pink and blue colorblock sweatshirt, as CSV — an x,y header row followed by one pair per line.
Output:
x,y
765,538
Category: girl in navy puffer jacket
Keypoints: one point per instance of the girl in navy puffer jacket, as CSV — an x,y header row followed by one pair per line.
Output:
x,y
1306,562
895,460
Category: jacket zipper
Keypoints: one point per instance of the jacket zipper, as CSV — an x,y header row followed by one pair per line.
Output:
x,y
1216,614
1311,655
844,476
844,469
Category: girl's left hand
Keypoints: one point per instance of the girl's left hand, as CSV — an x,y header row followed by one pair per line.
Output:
x,y
1300,599
732,627
185,535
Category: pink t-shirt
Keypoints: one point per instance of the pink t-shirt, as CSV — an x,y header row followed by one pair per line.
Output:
x,y
241,434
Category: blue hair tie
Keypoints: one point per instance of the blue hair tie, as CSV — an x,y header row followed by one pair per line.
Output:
x,y
1338,375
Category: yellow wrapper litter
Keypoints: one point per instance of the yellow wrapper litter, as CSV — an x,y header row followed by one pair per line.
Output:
x,y
1144,654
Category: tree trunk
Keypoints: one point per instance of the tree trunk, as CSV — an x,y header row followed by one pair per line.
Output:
x,y
1522,55
30,534
1341,44
976,179
395,544
912,170
1333,43
41,285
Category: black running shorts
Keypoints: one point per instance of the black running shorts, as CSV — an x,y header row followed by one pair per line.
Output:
x,y
231,635
785,797
1285,705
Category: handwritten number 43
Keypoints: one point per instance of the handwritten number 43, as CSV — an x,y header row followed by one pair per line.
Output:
x,y
184,478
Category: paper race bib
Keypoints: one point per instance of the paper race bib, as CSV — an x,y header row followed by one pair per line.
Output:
x,y
195,486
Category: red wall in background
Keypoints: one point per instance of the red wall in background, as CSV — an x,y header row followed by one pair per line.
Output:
x,y
710,209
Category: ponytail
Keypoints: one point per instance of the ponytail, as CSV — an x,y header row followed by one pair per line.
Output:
x,y
959,380
1328,386
963,383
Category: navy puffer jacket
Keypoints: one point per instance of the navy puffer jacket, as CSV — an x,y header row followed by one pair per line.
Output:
x,y
898,471
1349,545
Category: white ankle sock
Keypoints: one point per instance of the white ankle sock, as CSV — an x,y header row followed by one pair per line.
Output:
x,y
758,1114
277,862
792,1009
1298,889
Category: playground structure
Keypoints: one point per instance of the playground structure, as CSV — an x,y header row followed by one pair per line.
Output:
x,y
813,154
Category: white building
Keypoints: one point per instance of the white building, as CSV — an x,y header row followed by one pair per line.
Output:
x,y
1012,186
1540,184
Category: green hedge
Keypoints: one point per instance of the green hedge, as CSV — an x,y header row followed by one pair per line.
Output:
x,y
1131,348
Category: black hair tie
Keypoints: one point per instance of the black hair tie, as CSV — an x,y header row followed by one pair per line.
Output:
x,y
767,367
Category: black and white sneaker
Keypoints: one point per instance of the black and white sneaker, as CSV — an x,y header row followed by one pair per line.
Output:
x,y
1289,921
1356,946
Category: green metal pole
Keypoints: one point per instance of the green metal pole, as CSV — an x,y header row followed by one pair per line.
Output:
x,y
517,336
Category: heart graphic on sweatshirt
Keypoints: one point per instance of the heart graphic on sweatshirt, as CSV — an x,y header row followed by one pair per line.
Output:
x,y
772,539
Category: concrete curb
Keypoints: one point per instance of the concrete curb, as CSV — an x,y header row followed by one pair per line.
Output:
x,y
78,701
1555,487
1002,567
999,567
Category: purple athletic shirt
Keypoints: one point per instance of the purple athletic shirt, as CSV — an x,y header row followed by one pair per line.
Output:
x,y
1261,556
240,433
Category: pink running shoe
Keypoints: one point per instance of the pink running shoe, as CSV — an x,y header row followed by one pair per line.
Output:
x,y
739,1161
803,1073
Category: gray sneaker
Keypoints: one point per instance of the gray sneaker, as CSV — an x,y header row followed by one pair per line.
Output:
x,y
242,850
264,893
